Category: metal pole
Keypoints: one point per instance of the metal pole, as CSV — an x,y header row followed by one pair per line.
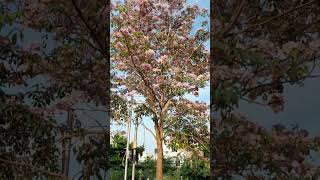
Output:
x,y
127,148
70,129
134,161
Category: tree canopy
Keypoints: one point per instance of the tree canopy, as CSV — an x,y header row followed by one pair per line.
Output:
x,y
256,48
54,55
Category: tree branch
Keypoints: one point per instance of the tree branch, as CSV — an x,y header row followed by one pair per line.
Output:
x,y
273,18
138,71
15,163
92,32
235,17
252,101
148,129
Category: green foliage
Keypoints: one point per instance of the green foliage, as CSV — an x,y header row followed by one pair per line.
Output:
x,y
93,153
118,149
147,168
37,75
29,139
195,168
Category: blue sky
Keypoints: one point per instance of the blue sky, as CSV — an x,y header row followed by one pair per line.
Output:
x,y
145,137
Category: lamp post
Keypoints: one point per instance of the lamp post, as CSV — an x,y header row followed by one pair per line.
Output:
x,y
134,159
128,143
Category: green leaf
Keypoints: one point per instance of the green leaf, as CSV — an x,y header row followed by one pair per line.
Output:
x,y
122,9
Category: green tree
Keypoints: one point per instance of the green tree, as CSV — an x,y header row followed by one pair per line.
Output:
x,y
195,167
118,149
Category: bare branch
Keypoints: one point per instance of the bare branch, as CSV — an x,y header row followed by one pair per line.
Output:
x,y
148,129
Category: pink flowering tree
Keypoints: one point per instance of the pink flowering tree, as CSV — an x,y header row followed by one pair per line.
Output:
x,y
155,54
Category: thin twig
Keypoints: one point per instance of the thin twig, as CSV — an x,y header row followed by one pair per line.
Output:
x,y
252,101
274,17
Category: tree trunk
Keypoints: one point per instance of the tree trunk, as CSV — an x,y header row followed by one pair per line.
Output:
x,y
159,170
87,170
63,152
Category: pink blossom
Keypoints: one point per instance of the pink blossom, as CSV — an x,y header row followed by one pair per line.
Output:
x,y
121,66
125,31
207,52
118,45
179,85
204,10
189,105
163,59
196,93
200,77
135,59
181,38
146,66
200,29
146,38
150,52
142,1
185,84
156,86
193,76
130,94
118,34
156,70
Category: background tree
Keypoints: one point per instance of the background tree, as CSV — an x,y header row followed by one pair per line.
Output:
x,y
257,47
66,63
248,150
195,167
155,55
26,139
